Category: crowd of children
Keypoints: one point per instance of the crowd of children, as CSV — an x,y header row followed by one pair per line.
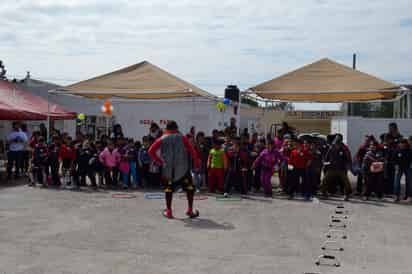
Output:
x,y
307,165
109,162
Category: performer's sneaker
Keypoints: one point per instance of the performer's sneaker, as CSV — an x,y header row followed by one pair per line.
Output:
x,y
192,214
168,214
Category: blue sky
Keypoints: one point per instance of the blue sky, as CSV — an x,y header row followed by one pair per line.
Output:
x,y
209,43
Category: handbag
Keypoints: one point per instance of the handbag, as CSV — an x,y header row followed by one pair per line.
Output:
x,y
377,167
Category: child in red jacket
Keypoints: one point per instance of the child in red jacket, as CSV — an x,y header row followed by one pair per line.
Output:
x,y
299,160
67,156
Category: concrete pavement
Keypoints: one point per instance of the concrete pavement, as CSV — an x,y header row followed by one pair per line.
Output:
x,y
52,231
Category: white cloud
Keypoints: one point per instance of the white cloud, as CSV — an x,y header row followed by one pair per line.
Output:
x,y
210,43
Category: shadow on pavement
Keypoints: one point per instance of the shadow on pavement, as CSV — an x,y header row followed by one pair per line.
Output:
x,y
202,223
4,183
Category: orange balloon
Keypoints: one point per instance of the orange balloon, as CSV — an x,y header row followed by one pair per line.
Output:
x,y
108,107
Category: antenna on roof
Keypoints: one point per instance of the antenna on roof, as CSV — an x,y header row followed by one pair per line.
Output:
x,y
354,61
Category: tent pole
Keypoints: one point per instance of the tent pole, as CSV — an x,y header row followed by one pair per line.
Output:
x,y
238,112
193,113
265,109
48,117
107,126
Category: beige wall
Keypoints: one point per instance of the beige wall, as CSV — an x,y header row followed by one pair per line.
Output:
x,y
303,121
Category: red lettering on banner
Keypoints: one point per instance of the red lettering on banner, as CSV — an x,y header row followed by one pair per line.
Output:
x,y
148,121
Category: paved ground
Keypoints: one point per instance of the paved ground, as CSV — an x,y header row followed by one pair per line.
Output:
x,y
50,231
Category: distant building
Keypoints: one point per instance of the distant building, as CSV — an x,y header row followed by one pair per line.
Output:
x,y
36,87
401,107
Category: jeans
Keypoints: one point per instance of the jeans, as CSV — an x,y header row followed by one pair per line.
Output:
x,y
14,159
198,178
399,172
133,173
125,179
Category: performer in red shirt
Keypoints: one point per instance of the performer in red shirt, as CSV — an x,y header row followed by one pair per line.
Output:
x,y
174,159
299,160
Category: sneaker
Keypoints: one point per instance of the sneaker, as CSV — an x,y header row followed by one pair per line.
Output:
x,y
192,214
346,198
225,195
365,198
405,198
168,214
290,197
197,190
397,199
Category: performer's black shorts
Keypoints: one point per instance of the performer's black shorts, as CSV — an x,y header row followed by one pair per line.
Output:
x,y
186,183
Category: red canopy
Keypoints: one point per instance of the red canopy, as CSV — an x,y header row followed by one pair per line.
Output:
x,y
17,104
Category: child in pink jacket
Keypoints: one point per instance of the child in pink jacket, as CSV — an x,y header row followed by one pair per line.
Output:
x,y
110,159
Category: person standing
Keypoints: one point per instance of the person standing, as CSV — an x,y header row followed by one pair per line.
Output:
x,y
155,131
39,161
391,139
174,150
117,133
110,159
299,161
17,140
231,130
267,160
216,164
68,156
26,152
360,155
401,158
337,163
43,132
54,160
202,150
373,171
237,168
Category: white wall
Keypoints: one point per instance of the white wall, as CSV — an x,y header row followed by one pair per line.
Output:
x,y
354,129
135,115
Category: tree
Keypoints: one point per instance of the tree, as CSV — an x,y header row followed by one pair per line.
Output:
x,y
2,71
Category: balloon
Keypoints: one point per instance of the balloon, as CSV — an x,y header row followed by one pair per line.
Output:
x,y
81,116
107,108
226,102
220,106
